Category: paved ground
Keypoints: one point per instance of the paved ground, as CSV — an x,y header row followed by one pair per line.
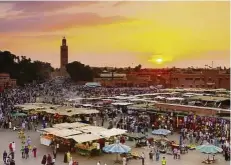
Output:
x,y
192,158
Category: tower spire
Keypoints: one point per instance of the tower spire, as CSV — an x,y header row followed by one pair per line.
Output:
x,y
63,53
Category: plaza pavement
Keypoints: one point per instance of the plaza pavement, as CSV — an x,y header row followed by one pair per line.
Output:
x,y
7,136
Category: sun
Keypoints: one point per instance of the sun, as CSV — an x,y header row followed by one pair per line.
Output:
x,y
159,60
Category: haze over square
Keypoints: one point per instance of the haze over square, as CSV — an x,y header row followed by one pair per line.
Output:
x,y
153,34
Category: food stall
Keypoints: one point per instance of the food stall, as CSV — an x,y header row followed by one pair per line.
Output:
x,y
85,139
86,144
50,136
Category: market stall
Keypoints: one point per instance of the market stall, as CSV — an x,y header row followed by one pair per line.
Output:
x,y
49,136
85,145
80,137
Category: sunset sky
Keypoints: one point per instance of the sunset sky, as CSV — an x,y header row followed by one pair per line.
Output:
x,y
118,34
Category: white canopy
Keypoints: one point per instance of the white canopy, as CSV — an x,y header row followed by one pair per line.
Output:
x,y
92,129
87,105
159,97
138,100
113,132
121,103
174,98
70,125
85,137
62,132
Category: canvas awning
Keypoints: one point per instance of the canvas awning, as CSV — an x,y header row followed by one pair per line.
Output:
x,y
85,138
122,104
113,132
61,132
70,125
174,98
92,129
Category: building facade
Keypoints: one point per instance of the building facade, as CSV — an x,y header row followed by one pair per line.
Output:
x,y
122,80
207,78
180,78
6,81
63,53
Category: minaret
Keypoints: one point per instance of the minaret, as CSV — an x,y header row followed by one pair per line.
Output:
x,y
63,53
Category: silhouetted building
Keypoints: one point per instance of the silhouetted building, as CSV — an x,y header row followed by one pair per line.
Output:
x,y
6,81
206,78
62,72
63,53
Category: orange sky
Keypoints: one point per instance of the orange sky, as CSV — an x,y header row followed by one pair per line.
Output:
x,y
153,34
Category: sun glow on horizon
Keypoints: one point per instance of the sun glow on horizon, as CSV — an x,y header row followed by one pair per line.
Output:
x,y
153,34
159,60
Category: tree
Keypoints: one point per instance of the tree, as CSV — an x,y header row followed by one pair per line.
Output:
x,y
23,69
97,71
43,70
138,68
79,71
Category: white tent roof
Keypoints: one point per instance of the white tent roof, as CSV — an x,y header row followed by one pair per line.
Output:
x,y
121,103
70,125
85,137
113,132
159,97
92,129
174,98
138,100
62,132
87,105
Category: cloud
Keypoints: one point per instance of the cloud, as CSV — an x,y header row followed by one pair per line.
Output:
x,y
46,16
56,22
86,19
120,3
31,7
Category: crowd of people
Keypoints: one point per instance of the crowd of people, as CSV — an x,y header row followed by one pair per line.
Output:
x,y
194,129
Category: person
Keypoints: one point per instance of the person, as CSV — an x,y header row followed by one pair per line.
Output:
x,y
157,155
142,158
10,147
68,156
28,141
55,152
151,155
98,163
4,156
75,163
57,147
53,161
65,158
124,161
71,161
11,155
34,150
23,152
12,162
226,156
26,150
163,161
8,159
49,159
10,125
13,146
175,153
44,160
178,153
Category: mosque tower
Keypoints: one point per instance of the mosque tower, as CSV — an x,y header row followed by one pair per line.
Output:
x,y
63,53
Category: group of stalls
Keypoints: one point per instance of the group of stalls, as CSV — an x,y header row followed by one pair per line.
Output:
x,y
57,113
79,137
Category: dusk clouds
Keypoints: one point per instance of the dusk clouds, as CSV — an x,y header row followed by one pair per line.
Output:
x,y
102,31
45,16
